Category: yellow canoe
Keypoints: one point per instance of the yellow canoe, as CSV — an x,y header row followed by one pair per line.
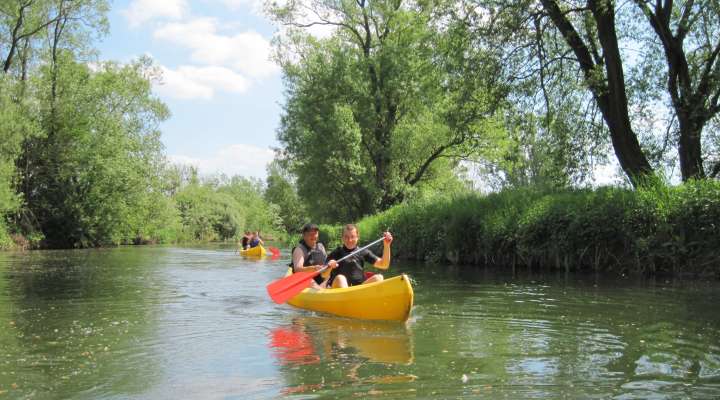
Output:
x,y
390,300
257,251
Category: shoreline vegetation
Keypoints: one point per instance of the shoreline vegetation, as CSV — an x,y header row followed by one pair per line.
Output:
x,y
392,120
195,211
653,229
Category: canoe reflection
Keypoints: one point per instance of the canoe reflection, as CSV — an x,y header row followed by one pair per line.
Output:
x,y
308,338
292,345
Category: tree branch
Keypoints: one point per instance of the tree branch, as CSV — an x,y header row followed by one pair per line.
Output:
x,y
571,37
703,88
683,25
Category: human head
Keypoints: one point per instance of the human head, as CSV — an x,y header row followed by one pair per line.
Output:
x,y
310,234
350,236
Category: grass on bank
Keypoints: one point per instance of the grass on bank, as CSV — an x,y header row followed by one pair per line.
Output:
x,y
658,228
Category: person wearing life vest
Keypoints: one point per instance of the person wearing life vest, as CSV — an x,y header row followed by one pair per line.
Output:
x,y
255,240
310,254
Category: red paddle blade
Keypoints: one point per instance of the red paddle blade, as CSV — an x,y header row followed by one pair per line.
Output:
x,y
286,288
275,251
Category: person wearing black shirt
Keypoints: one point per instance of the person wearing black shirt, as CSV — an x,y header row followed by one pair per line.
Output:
x,y
350,271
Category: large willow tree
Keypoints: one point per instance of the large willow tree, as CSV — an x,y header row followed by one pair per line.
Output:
x,y
382,108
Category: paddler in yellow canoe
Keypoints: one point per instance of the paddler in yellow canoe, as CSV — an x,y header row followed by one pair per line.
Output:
x,y
310,254
350,272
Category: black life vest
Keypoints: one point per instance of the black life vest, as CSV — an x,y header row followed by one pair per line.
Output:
x,y
314,256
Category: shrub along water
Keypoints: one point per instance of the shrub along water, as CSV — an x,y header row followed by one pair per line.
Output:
x,y
654,229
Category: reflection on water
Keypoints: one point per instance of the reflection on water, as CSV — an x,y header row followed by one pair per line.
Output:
x,y
310,339
168,323
319,354
293,345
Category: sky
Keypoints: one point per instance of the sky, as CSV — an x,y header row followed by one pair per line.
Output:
x,y
223,91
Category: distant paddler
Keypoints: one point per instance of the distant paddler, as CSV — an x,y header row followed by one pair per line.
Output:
x,y
256,240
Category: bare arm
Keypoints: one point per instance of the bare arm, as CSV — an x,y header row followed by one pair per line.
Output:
x,y
384,262
298,259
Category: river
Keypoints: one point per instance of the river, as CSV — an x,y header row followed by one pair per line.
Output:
x,y
196,323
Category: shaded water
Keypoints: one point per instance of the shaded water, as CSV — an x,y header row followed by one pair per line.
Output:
x,y
167,323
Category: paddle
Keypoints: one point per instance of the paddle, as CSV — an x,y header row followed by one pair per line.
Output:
x,y
284,289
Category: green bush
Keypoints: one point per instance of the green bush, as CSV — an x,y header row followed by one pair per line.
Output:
x,y
657,228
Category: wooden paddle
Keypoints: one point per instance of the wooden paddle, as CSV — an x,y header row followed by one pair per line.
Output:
x,y
284,289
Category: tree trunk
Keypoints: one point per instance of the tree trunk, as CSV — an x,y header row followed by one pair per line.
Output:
x,y
610,93
691,105
625,142
690,149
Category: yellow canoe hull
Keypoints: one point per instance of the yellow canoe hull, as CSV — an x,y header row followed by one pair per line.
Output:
x,y
389,300
257,251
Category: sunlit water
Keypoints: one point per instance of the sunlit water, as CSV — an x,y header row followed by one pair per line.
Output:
x,y
196,323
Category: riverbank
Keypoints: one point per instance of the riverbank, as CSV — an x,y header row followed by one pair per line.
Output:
x,y
657,229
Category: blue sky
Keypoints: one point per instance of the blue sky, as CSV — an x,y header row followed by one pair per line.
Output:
x,y
218,81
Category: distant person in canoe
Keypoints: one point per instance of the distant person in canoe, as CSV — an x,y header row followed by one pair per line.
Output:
x,y
255,240
310,254
246,240
350,272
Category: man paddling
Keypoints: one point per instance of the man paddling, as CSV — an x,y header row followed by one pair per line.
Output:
x,y
309,254
350,272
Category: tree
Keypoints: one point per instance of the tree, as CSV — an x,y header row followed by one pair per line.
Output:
x,y
281,192
92,178
620,57
598,56
689,32
25,22
208,215
248,193
372,110
14,125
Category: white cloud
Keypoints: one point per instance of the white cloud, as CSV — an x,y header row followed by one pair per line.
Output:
x,y
237,159
189,82
246,52
141,11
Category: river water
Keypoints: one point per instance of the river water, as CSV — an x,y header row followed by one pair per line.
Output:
x,y
196,323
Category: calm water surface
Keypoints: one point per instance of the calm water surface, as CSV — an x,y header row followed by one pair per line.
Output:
x,y
169,323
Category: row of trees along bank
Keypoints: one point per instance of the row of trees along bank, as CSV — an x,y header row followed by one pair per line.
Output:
x,y
81,162
653,229
387,105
